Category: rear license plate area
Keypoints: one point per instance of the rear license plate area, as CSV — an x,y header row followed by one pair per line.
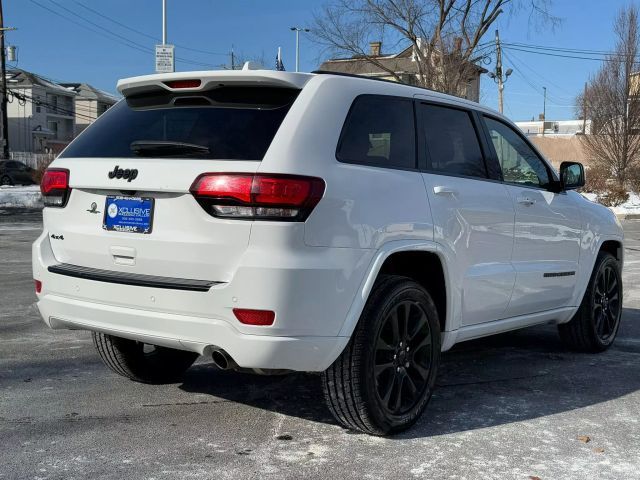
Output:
x,y
128,214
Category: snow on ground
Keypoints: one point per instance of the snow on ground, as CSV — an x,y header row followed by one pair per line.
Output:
x,y
630,207
21,196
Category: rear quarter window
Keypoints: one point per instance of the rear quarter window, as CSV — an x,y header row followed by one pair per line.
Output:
x,y
232,123
379,131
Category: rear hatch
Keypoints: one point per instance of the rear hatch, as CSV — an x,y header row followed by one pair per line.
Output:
x,y
129,208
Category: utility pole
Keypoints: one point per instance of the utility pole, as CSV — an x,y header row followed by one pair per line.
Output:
x,y
499,73
298,30
544,109
164,22
584,110
165,58
3,73
233,59
497,76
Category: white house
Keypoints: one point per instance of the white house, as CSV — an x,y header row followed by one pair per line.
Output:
x,y
41,113
91,102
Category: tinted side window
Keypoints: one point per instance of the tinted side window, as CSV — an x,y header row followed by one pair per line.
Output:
x,y
452,142
379,131
518,161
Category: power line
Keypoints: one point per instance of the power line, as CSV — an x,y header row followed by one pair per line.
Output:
x,y
99,32
482,51
38,102
97,25
536,88
566,50
576,57
563,52
107,34
55,83
106,17
523,76
59,83
141,46
515,60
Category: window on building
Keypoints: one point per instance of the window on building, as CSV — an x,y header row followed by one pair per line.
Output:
x,y
379,131
452,144
53,126
519,163
467,90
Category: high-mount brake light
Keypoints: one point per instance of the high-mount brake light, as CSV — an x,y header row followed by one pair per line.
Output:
x,y
192,83
54,187
258,196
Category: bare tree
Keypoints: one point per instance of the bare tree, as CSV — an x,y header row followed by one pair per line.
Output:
x,y
445,34
612,102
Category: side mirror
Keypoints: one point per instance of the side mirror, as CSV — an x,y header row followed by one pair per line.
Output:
x,y
571,175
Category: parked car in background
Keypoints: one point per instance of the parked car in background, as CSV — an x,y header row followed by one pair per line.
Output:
x,y
320,223
15,173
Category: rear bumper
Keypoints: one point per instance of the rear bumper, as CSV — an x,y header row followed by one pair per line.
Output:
x,y
311,294
200,335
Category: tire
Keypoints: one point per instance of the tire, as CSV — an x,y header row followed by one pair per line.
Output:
x,y
595,325
359,385
129,359
6,180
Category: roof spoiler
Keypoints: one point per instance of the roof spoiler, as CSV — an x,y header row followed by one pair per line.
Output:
x,y
206,80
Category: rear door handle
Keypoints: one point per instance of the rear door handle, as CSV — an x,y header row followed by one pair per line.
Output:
x,y
526,201
442,190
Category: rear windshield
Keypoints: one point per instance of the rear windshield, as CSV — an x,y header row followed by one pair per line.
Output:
x,y
232,123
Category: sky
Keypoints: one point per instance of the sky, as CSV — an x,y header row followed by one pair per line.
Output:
x,y
66,41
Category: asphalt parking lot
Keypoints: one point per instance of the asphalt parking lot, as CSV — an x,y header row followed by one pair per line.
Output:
x,y
514,406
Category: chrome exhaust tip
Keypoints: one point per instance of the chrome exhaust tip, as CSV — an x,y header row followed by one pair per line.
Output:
x,y
222,360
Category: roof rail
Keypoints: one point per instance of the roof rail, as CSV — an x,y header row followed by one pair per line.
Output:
x,y
355,75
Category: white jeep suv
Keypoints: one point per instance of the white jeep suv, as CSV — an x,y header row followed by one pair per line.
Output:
x,y
320,223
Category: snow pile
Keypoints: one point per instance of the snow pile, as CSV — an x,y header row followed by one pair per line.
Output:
x,y
630,207
24,197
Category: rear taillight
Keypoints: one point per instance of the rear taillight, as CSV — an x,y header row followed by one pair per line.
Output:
x,y
55,187
258,196
38,285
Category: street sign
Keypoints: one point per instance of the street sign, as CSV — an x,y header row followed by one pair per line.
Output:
x,y
165,62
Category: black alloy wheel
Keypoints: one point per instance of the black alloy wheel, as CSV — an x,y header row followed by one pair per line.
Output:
x,y
403,357
384,378
595,325
606,302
